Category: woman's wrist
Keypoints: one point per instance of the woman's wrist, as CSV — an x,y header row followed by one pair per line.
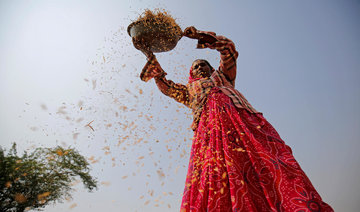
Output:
x,y
160,76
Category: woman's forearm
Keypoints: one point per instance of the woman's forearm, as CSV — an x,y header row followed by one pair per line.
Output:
x,y
176,91
225,46
163,84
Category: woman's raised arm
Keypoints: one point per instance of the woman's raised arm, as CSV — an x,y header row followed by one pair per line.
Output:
x,y
177,91
225,46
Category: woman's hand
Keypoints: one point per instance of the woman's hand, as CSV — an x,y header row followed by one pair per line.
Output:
x,y
191,32
204,38
152,69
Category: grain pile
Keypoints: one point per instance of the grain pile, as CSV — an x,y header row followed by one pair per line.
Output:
x,y
161,18
155,30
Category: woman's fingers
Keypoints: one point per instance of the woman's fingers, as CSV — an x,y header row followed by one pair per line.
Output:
x,y
153,67
191,32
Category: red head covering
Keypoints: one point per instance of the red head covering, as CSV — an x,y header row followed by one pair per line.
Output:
x,y
191,79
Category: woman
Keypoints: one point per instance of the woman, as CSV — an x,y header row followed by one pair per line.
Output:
x,y
238,161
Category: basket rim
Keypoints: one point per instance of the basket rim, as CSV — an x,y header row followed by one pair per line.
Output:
x,y
130,26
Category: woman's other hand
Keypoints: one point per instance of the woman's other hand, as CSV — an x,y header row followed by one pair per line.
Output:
x,y
191,32
152,69
203,37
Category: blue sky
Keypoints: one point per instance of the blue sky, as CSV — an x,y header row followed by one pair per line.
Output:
x,y
299,64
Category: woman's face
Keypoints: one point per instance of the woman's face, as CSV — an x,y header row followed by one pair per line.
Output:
x,y
200,69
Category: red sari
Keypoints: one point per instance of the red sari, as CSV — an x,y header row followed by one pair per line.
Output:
x,y
239,162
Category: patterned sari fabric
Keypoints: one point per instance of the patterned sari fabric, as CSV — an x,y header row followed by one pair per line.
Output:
x,y
239,162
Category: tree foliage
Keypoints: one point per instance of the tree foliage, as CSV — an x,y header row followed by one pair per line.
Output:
x,y
44,176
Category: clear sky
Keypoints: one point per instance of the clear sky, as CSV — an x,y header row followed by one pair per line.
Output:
x,y
299,64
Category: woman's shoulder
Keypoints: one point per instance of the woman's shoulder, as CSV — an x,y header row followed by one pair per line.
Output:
x,y
220,79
